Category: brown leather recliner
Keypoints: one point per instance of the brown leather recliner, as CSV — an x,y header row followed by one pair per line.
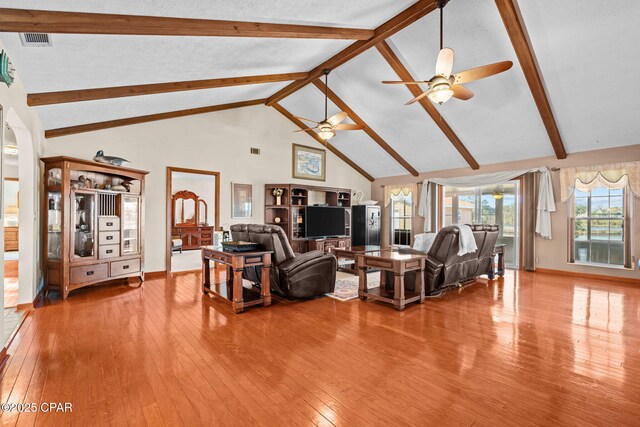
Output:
x,y
306,275
444,267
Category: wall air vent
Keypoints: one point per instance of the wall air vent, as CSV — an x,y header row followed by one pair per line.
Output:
x,y
35,39
255,151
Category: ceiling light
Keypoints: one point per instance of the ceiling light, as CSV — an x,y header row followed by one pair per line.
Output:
x,y
440,93
326,134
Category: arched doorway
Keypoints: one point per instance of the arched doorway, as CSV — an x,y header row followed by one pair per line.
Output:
x,y
27,242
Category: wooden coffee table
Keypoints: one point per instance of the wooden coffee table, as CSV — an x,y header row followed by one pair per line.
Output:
x,y
352,254
398,264
232,291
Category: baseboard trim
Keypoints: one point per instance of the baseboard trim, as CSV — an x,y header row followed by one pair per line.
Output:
x,y
155,274
27,305
625,280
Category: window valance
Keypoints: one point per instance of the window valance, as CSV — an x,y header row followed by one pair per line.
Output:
x,y
396,190
614,175
546,203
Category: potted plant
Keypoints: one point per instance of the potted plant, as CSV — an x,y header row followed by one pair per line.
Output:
x,y
278,192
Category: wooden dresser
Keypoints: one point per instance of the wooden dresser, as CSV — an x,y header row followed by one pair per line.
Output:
x,y
194,237
10,239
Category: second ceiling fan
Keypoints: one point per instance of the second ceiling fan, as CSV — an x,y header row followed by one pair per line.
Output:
x,y
327,127
445,85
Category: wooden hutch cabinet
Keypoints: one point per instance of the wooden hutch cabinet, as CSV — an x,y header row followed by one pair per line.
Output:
x,y
288,212
93,223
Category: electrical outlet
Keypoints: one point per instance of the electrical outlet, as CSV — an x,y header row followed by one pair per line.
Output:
x,y
537,260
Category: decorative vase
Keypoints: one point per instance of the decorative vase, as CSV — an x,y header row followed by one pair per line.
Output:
x,y
278,200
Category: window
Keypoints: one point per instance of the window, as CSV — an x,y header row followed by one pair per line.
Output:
x,y
598,226
497,204
401,206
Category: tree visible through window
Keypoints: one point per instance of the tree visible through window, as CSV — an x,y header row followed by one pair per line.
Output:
x,y
401,219
598,226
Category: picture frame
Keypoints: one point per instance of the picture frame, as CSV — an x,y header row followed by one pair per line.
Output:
x,y
309,163
241,200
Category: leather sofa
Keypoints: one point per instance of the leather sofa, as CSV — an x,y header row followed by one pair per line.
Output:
x,y
306,275
444,267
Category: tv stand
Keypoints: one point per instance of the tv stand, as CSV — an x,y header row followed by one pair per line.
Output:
x,y
288,212
329,243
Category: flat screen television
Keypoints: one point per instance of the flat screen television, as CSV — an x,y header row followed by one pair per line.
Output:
x,y
324,221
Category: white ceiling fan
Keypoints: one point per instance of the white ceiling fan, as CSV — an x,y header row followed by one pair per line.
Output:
x,y
327,127
444,85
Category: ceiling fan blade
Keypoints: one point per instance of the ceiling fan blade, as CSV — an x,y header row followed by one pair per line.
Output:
x,y
419,97
347,126
307,120
387,82
482,72
304,130
337,118
444,64
461,92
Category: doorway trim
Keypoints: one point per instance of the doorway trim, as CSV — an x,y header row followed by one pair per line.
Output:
x,y
216,197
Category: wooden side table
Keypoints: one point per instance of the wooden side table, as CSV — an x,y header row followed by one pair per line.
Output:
x,y
497,250
398,264
232,291
352,255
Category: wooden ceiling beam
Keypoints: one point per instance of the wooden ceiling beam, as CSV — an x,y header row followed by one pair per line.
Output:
x,y
514,23
405,75
48,98
321,141
366,128
90,127
44,21
384,31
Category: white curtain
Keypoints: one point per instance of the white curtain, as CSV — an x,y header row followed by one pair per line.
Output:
x,y
546,203
395,190
586,178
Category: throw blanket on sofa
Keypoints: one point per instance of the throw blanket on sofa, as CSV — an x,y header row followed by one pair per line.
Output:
x,y
467,243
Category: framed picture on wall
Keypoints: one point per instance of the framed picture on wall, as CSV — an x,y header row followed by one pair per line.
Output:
x,y
309,163
241,200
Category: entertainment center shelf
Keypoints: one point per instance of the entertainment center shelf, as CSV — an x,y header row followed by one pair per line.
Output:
x,y
288,212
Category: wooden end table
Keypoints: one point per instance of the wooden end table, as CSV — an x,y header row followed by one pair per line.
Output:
x,y
232,291
398,264
497,250
352,254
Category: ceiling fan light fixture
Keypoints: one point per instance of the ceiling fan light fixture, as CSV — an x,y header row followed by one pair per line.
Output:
x,y
326,134
440,94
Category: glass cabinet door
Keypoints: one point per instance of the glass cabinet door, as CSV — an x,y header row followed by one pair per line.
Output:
x,y
130,224
84,208
54,225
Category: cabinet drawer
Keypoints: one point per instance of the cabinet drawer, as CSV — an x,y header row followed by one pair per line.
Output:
x,y
119,268
109,237
108,251
108,223
88,273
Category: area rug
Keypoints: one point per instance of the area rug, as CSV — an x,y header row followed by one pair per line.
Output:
x,y
347,287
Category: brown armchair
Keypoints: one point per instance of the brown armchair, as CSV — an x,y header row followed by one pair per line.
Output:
x,y
444,267
298,276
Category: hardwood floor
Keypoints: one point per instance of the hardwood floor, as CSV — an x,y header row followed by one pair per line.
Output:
x,y
529,349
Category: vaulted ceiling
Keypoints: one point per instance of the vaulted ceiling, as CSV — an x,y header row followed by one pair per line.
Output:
x,y
572,87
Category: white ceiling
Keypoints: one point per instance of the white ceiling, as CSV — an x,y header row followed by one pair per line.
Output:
x,y
577,44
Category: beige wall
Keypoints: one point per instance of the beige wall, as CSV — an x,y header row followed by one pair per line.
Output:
x,y
551,254
218,142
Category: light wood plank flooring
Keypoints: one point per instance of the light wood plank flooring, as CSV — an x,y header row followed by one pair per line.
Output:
x,y
529,349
